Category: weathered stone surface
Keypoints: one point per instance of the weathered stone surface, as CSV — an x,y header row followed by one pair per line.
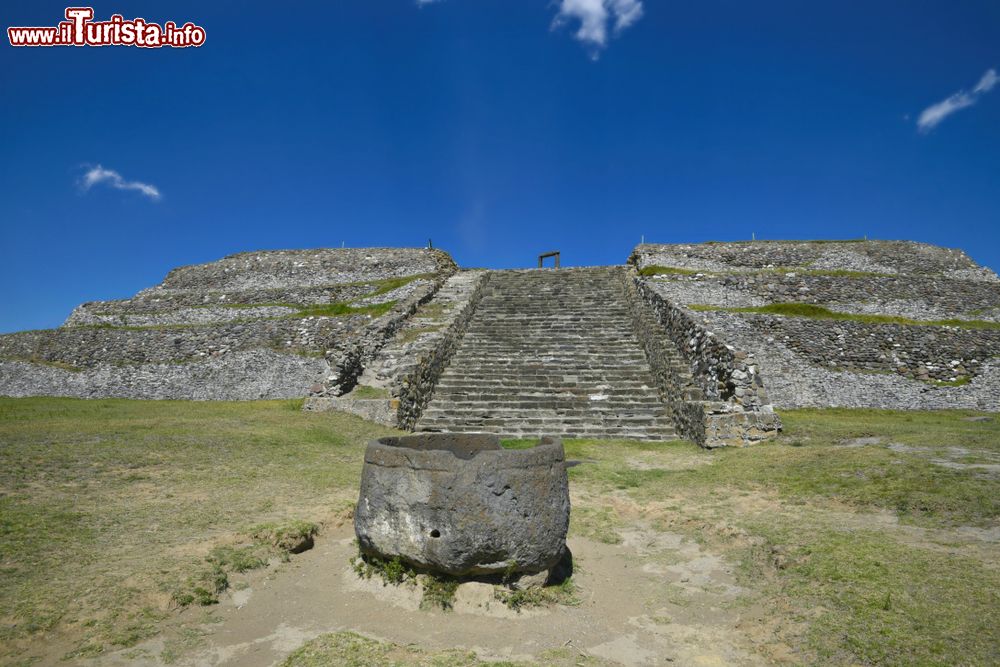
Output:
x,y
809,362
549,352
235,329
460,504
881,257
379,410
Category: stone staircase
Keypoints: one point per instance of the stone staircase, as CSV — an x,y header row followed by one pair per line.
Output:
x,y
551,352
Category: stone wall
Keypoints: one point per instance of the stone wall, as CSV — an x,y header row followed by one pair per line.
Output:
x,y
403,368
796,382
915,297
884,257
189,336
810,361
244,375
719,398
417,387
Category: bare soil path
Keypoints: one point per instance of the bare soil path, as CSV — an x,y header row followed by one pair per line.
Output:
x,y
655,599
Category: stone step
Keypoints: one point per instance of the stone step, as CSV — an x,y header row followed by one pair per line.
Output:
x,y
501,388
578,329
539,345
541,415
518,431
574,353
552,362
540,423
544,348
487,398
503,393
584,382
561,312
637,387
646,416
542,344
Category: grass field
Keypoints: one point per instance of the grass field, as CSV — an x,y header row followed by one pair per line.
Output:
x,y
873,534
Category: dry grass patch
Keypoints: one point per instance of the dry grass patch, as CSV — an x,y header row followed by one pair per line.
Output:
x,y
114,513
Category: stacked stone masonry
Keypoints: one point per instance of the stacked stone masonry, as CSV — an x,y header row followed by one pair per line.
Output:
x,y
656,349
554,353
406,369
947,357
248,326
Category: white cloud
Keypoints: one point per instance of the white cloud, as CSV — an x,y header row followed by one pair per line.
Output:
x,y
99,174
595,16
934,114
986,84
626,12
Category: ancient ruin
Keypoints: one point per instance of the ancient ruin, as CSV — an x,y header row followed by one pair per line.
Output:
x,y
459,504
696,341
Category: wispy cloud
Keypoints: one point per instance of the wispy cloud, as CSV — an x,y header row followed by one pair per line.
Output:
x,y
932,116
97,175
597,18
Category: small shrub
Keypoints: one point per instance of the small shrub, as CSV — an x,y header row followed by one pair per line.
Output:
x,y
563,593
291,537
204,588
236,559
392,572
439,592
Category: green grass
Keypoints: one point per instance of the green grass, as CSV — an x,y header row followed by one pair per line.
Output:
x,y
392,572
564,593
113,514
286,536
348,649
438,589
808,465
819,312
653,270
957,382
869,593
389,284
439,592
364,391
885,602
379,287
410,335
106,505
340,309
44,362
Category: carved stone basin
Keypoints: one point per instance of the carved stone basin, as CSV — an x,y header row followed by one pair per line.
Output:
x,y
460,504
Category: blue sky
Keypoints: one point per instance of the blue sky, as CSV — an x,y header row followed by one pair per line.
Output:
x,y
499,128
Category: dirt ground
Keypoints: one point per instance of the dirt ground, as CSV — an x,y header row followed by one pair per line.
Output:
x,y
654,599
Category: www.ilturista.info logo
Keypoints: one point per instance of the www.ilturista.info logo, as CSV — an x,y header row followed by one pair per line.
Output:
x,y
79,29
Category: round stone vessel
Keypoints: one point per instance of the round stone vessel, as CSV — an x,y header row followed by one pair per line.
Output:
x,y
459,504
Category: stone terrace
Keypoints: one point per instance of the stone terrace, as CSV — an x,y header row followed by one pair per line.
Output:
x,y
251,325
849,362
